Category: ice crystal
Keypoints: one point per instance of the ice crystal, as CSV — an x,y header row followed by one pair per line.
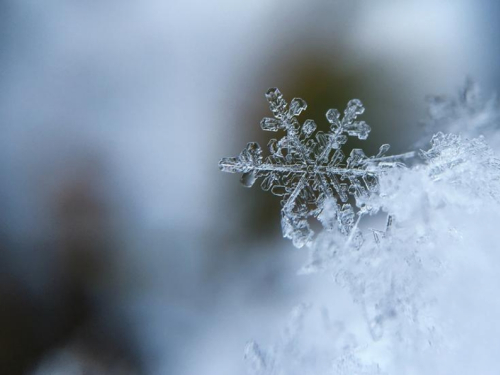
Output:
x,y
469,165
451,150
308,169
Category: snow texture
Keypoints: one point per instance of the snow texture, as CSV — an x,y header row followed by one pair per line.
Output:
x,y
426,285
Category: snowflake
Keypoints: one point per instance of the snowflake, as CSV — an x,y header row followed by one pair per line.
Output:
x,y
308,169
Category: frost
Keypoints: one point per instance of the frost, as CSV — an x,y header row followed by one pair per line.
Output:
x,y
308,169
466,165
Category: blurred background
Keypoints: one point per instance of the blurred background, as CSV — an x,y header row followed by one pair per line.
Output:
x,y
123,249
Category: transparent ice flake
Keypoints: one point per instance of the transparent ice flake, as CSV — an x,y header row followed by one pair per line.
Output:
x,y
308,168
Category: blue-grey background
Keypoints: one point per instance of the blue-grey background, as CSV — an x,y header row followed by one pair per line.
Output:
x,y
123,249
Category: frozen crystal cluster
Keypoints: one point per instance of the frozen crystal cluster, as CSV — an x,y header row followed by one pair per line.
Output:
x,y
426,284
308,169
